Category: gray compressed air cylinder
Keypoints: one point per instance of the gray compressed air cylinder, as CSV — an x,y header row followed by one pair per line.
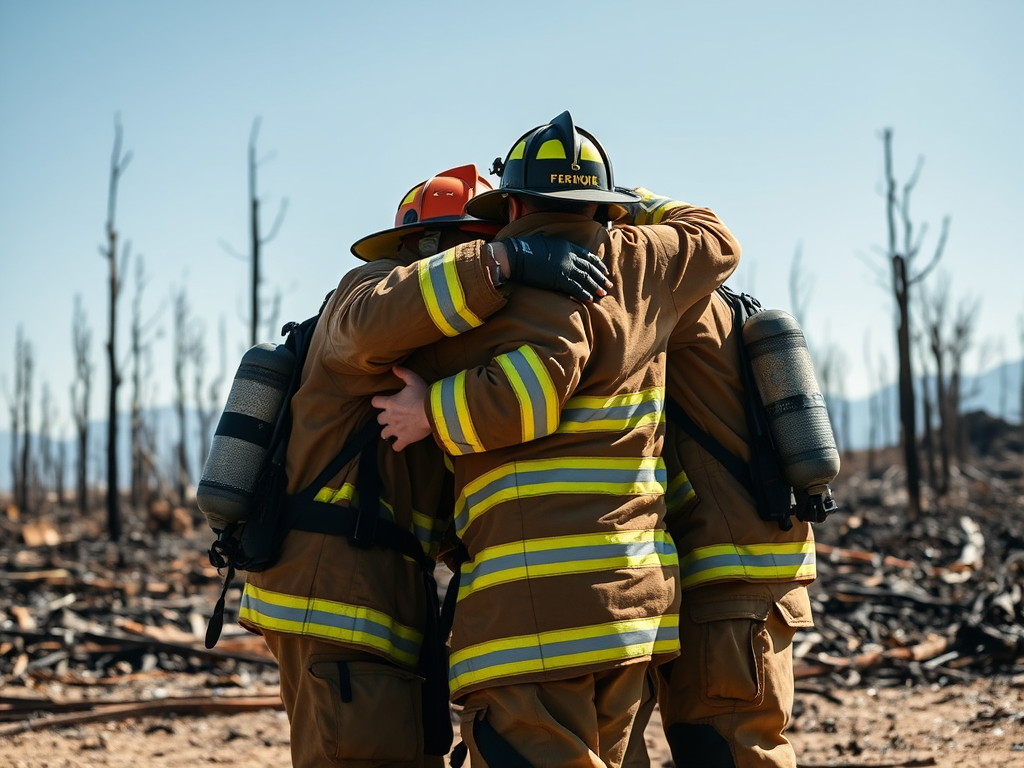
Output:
x,y
797,417
226,491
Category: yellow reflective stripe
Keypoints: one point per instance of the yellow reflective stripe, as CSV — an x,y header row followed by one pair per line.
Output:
x,y
411,196
450,409
654,207
552,149
329,495
563,475
613,414
790,561
443,295
331,620
563,555
517,151
563,648
589,152
680,493
531,382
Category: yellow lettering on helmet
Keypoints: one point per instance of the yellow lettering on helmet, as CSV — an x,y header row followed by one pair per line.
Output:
x,y
554,176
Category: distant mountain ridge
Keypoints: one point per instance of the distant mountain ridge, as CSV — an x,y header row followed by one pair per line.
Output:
x,y
997,392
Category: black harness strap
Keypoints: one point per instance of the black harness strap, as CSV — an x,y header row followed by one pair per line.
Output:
x,y
734,464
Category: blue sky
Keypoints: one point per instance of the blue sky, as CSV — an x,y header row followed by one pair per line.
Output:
x,y
769,113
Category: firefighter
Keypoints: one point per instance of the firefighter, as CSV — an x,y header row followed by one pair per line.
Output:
x,y
726,701
348,612
552,413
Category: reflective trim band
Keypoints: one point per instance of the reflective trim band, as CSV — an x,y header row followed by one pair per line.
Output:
x,y
563,475
562,555
443,295
680,493
451,415
653,208
757,562
530,380
589,152
330,620
411,196
517,152
563,648
552,149
613,414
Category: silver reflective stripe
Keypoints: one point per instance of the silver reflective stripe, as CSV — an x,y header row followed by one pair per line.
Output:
x,y
582,479
578,554
538,397
564,649
782,565
613,413
302,618
450,412
442,291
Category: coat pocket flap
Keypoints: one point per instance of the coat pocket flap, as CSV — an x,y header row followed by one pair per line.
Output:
x,y
740,607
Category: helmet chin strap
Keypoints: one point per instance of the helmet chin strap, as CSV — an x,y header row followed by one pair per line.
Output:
x,y
429,242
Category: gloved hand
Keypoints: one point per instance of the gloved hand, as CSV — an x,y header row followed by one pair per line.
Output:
x,y
554,264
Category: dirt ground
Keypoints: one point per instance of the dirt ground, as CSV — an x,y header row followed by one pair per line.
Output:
x,y
974,724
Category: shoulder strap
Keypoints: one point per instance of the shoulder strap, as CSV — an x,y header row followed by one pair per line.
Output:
x,y
734,464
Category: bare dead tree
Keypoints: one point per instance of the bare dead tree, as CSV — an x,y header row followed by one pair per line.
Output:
x,y
24,375
935,313
874,417
901,256
832,374
60,468
81,392
960,342
256,239
207,399
1004,380
142,334
19,408
929,405
47,459
118,164
183,346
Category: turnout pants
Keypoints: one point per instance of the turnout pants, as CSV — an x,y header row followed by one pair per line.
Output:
x,y
582,722
348,708
727,699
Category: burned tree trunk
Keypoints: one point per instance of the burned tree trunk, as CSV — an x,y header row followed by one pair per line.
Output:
x,y
903,280
182,354
117,168
81,392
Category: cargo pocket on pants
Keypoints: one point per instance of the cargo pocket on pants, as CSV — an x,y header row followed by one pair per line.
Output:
x,y
369,711
733,641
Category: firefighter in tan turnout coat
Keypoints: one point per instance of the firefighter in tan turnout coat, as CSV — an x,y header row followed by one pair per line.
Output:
x,y
569,590
726,701
346,617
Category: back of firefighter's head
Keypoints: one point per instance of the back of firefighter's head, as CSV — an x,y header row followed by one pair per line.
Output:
x,y
431,217
554,167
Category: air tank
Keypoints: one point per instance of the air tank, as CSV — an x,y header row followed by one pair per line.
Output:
x,y
797,418
226,492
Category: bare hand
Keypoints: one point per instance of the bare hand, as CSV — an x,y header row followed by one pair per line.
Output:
x,y
404,414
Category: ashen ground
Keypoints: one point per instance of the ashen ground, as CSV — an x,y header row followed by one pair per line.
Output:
x,y
967,725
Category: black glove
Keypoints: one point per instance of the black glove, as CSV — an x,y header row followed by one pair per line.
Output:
x,y
554,264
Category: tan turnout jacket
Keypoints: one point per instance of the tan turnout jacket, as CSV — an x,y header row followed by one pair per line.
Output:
x,y
713,519
367,599
553,414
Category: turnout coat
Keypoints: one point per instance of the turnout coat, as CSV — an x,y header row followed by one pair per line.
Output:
x,y
368,599
553,415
